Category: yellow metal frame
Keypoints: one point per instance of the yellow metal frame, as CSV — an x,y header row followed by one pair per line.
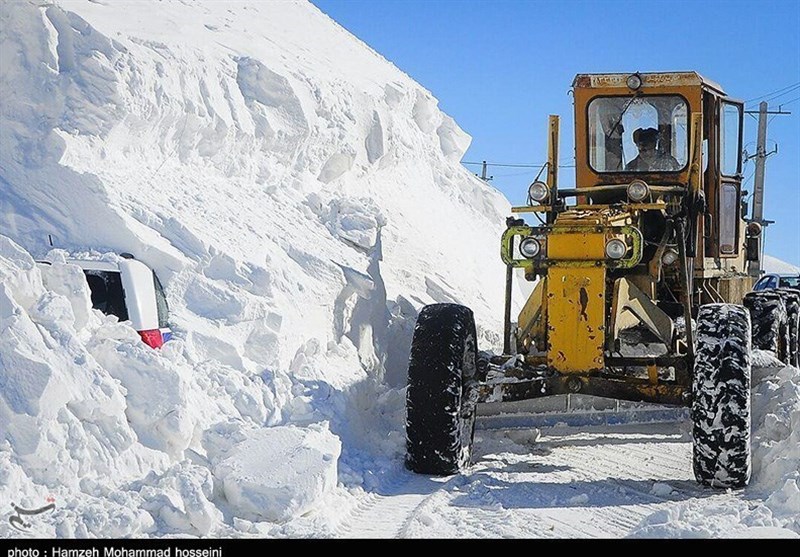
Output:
x,y
576,315
532,331
566,235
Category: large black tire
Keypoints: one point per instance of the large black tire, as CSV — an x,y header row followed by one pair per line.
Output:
x,y
721,397
791,299
769,321
441,396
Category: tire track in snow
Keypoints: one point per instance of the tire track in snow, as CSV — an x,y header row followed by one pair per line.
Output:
x,y
387,516
635,467
660,461
596,482
620,469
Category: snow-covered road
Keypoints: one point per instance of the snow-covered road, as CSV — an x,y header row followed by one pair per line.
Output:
x,y
589,482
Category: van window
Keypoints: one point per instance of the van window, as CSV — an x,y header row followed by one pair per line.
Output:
x,y
107,293
161,303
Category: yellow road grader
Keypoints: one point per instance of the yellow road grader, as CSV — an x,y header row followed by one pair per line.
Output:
x,y
638,277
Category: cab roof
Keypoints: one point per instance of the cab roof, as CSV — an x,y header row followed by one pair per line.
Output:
x,y
649,79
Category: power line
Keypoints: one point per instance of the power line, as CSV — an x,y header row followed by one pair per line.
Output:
x,y
511,174
773,92
749,177
509,165
517,165
773,97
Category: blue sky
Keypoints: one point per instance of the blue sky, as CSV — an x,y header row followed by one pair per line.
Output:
x,y
500,67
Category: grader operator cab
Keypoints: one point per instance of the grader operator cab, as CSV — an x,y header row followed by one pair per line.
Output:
x,y
640,273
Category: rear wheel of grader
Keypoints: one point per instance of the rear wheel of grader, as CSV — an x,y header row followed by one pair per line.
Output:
x,y
791,298
442,394
721,396
769,320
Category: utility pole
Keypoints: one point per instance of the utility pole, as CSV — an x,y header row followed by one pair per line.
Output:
x,y
761,159
758,182
484,177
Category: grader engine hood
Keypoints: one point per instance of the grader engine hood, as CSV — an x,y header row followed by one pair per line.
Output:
x,y
575,254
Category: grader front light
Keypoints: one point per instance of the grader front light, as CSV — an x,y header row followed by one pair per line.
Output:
x,y
669,257
638,191
616,249
539,192
530,247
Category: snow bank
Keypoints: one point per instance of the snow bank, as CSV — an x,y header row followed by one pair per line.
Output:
x,y
775,442
299,197
775,265
57,404
93,418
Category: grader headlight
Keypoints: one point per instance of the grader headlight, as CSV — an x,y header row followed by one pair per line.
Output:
x,y
634,82
616,249
638,191
623,247
538,192
669,257
530,247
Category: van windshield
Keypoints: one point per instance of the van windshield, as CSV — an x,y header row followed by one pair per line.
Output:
x,y
638,134
790,282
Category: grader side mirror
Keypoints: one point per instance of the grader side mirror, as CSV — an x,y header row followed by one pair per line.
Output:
x,y
753,249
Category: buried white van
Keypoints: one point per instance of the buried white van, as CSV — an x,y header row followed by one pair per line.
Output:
x,y
130,290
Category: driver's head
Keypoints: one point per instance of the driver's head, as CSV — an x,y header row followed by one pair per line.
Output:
x,y
645,139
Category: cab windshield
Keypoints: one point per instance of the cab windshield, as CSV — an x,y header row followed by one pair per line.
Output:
x,y
638,134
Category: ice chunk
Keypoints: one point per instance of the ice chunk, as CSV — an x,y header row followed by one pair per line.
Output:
x,y
279,473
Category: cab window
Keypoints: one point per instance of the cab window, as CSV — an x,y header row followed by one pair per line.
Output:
x,y
729,215
638,134
729,138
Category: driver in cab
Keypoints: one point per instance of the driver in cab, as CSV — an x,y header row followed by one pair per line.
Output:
x,y
650,159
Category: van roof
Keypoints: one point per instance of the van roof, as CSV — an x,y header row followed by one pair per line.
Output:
x,y
94,265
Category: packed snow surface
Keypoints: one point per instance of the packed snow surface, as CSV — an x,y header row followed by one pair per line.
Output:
x,y
300,199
